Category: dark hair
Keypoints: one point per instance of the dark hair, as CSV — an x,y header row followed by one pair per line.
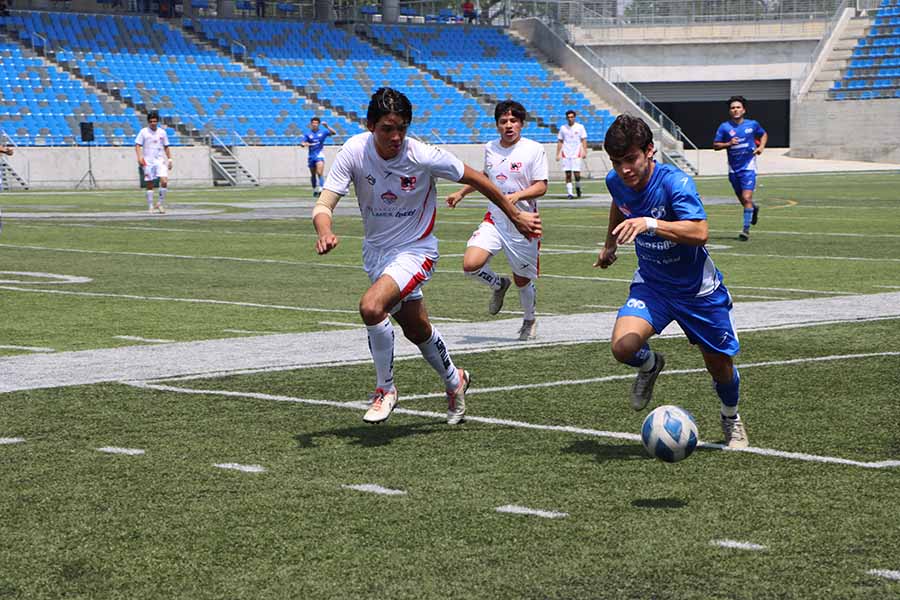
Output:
x,y
317,119
510,106
571,112
388,101
740,99
152,115
626,132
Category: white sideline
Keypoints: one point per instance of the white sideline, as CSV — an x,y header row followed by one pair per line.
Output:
x,y
738,545
135,338
242,468
11,440
522,510
895,575
116,450
374,488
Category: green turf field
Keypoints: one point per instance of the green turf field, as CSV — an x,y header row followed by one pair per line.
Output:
x,y
811,514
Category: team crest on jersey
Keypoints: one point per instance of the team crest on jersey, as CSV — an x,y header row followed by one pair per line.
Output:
x,y
732,132
658,212
515,167
389,197
371,179
502,177
748,130
407,184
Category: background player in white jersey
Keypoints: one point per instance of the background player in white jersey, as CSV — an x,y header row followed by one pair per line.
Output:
x,y
155,157
658,208
571,149
518,166
394,179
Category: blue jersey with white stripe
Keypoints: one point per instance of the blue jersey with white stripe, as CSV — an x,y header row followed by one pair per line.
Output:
x,y
670,267
740,156
316,141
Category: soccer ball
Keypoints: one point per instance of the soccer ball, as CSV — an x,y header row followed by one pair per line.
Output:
x,y
669,433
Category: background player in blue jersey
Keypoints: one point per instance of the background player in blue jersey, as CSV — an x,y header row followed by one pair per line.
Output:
x,y
657,207
744,139
314,139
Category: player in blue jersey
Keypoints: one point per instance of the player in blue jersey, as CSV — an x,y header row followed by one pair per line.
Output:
x,y
314,139
744,139
657,207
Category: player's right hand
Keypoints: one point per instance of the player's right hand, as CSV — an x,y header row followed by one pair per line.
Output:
x,y
326,243
606,257
454,199
529,224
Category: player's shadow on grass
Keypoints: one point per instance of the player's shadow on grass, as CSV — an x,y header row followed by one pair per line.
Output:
x,y
371,435
606,452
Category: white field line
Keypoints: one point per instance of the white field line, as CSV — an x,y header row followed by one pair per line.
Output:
x,y
342,324
738,545
374,488
201,301
135,338
242,468
116,450
814,233
807,257
730,286
759,297
522,510
606,306
43,278
895,575
26,348
559,428
519,312
251,332
467,351
889,287
4,441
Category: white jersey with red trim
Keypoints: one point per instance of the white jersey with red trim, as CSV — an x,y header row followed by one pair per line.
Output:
x,y
512,170
397,197
154,144
571,138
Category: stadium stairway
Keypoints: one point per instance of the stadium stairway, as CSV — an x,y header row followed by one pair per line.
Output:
x,y
839,58
11,180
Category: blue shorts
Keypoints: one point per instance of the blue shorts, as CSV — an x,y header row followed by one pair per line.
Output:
x,y
742,180
706,321
312,160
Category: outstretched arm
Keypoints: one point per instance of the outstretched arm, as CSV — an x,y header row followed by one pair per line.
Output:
x,y
457,196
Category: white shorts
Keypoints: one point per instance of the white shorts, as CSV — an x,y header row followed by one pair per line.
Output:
x,y
570,164
522,254
157,170
410,266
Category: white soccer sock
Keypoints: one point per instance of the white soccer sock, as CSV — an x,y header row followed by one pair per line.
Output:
x,y
149,198
486,276
528,298
381,345
569,188
436,353
162,195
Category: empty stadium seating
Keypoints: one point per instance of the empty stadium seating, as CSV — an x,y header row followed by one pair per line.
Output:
x,y
874,68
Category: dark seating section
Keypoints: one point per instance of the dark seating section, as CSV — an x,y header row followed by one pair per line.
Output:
x,y
332,64
488,60
874,68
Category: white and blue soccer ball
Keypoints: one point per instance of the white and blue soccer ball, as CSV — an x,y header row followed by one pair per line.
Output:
x,y
669,433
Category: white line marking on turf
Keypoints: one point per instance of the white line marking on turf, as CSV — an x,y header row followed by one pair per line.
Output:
x,y
43,278
249,331
815,233
374,488
242,468
116,450
607,306
808,257
730,286
895,575
737,545
342,324
26,348
522,510
755,297
14,440
134,338
889,287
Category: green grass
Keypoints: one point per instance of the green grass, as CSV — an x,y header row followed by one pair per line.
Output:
x,y
77,523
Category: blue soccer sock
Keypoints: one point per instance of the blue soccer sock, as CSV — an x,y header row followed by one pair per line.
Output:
x,y
729,394
748,215
313,179
640,358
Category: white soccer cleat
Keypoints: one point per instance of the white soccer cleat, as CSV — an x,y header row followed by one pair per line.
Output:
x,y
735,434
456,400
162,209
642,390
497,297
528,330
383,403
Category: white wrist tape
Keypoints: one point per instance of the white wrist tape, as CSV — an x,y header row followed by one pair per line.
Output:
x,y
651,225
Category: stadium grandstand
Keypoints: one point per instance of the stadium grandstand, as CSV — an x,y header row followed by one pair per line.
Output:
x,y
235,82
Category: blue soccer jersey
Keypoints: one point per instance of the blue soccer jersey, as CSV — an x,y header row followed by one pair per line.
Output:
x,y
740,156
672,268
316,141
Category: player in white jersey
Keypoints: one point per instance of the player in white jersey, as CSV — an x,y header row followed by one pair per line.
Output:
x,y
394,179
518,166
155,157
571,149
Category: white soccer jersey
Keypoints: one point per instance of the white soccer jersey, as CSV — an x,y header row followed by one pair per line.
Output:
x,y
154,144
571,138
512,170
397,197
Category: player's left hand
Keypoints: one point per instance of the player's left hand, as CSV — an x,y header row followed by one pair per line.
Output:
x,y
528,224
171,164
454,199
629,229
758,151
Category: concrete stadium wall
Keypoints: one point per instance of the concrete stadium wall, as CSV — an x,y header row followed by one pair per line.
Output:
x,y
867,130
116,167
